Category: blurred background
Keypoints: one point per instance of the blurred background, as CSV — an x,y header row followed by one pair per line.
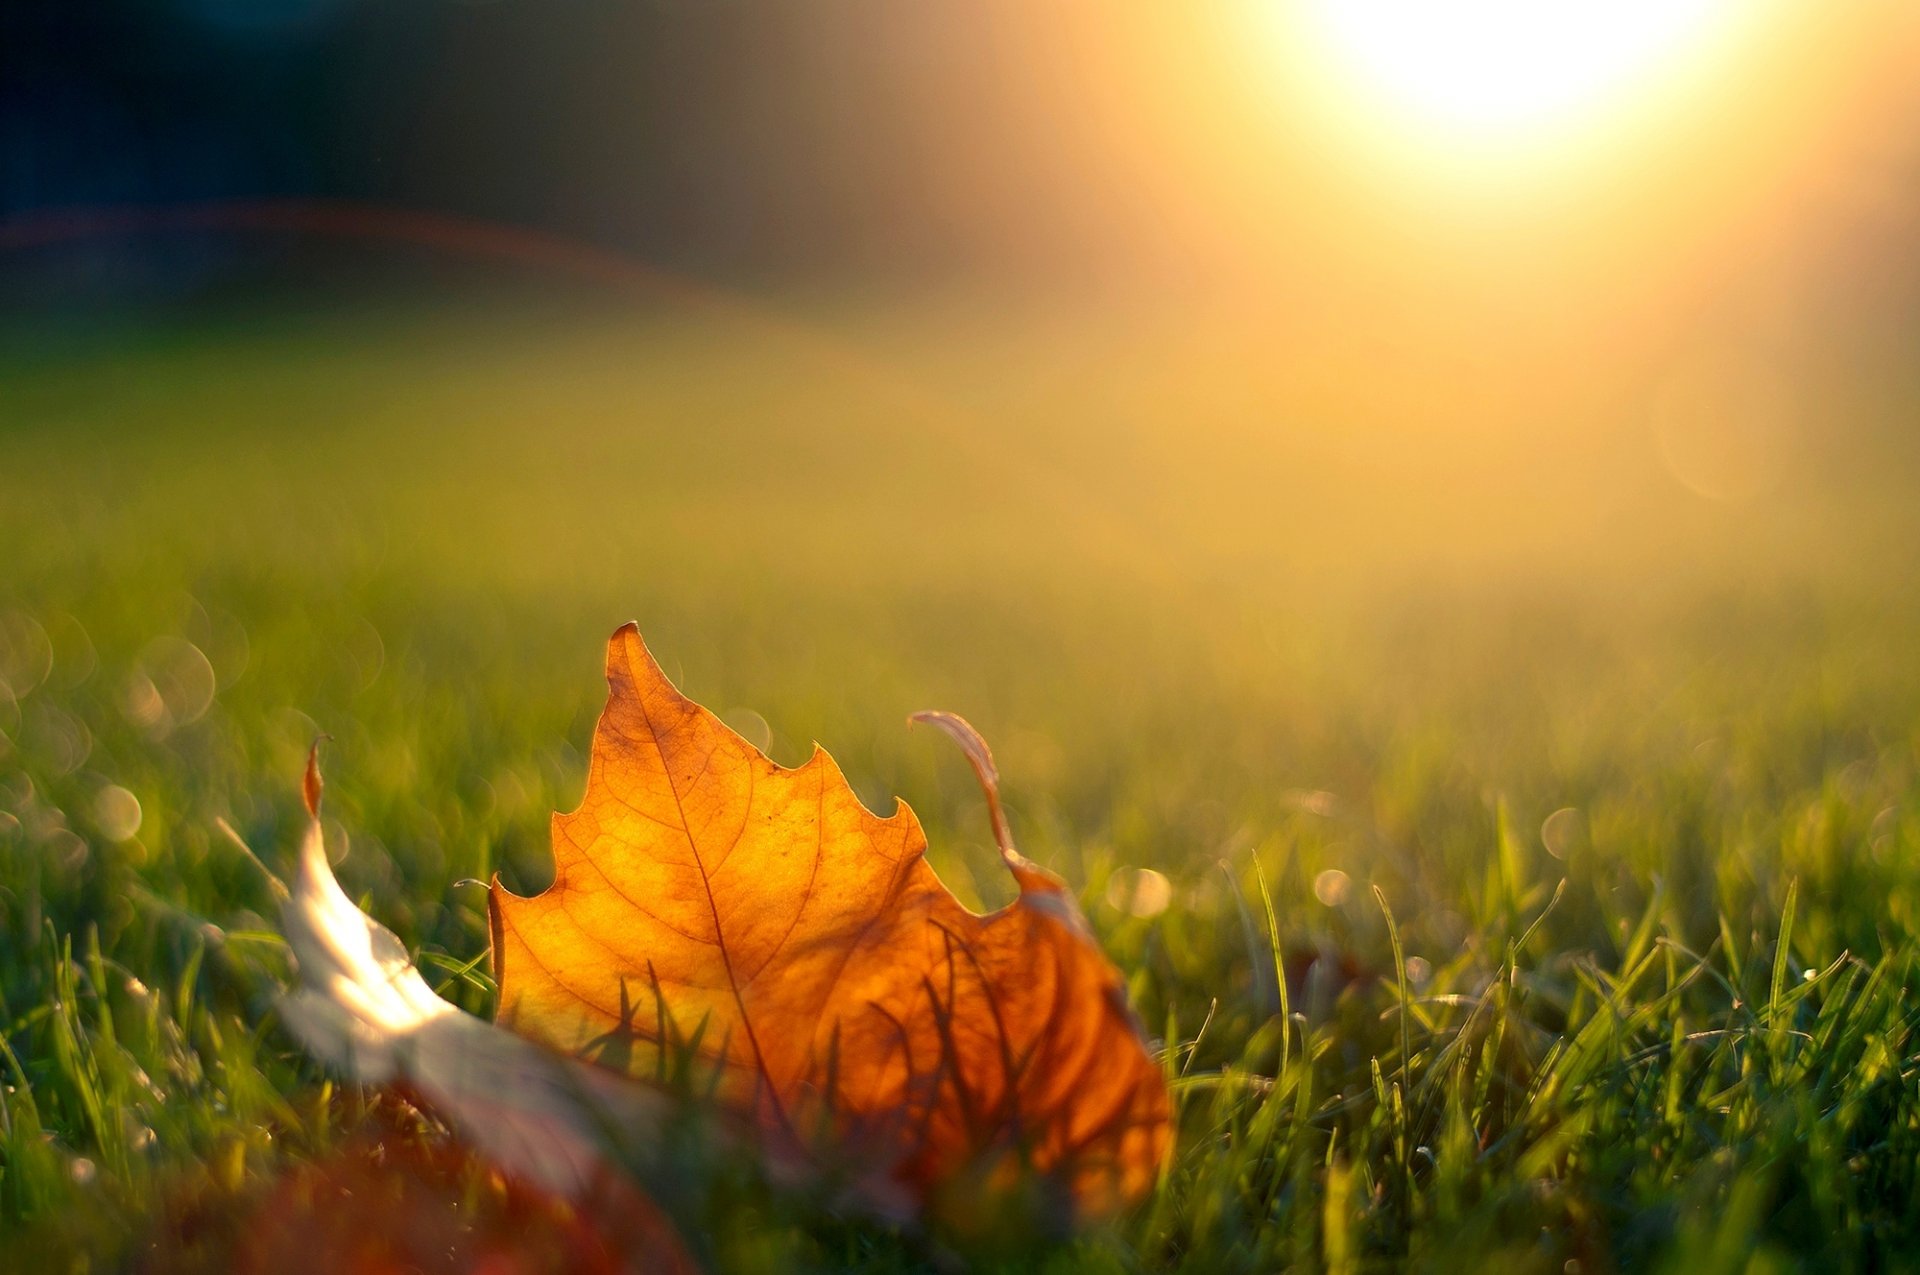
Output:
x,y
1471,281
1327,424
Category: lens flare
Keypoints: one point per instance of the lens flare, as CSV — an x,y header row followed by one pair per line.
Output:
x,y
1503,72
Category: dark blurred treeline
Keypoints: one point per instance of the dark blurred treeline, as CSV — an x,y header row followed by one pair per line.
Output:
x,y
717,135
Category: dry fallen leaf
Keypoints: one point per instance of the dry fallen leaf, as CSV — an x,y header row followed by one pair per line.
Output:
x,y
708,900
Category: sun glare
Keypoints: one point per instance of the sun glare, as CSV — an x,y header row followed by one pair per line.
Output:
x,y
1501,73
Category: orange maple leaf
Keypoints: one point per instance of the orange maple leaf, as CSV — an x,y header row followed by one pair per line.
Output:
x,y
705,898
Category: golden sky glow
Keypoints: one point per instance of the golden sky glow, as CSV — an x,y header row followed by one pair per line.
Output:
x,y
1469,77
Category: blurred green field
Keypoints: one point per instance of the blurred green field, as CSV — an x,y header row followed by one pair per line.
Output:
x,y
1215,625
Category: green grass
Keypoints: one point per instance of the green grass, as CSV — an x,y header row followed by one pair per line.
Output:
x,y
1212,628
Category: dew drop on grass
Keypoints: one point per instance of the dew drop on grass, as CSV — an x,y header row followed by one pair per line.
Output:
x,y
1140,892
141,703
116,813
1332,886
1563,832
172,684
182,676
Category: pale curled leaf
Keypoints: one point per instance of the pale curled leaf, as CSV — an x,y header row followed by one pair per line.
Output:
x,y
363,1008
705,898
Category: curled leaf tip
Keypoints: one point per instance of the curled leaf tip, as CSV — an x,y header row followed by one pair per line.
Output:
x,y
311,785
1028,873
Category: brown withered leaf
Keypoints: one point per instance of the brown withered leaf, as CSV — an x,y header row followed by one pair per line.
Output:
x,y
708,900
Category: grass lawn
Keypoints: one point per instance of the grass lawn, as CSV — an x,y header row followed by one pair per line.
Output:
x,y
1633,774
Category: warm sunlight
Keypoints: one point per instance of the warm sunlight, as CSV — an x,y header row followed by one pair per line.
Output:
x,y
1495,74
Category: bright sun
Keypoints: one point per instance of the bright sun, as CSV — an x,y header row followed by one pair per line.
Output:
x,y
1496,73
